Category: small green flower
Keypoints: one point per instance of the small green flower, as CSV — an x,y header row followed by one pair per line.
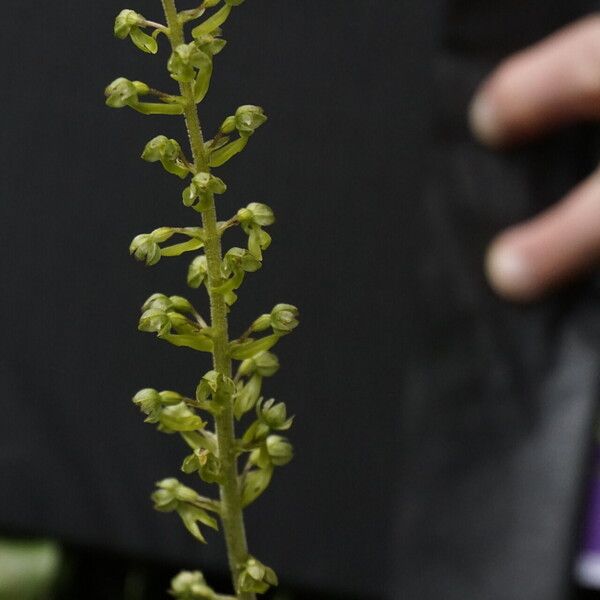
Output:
x,y
256,577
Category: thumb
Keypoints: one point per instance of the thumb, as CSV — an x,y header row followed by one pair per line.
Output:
x,y
534,257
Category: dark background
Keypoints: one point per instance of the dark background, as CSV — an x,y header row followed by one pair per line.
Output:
x,y
440,433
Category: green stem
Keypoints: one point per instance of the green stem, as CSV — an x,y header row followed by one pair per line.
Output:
x,y
231,507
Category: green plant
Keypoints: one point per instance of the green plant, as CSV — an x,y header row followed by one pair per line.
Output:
x,y
220,396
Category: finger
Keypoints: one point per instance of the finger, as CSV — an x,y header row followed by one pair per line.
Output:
x,y
534,257
551,83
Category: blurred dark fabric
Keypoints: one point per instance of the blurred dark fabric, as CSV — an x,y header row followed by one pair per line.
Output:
x,y
440,433
498,400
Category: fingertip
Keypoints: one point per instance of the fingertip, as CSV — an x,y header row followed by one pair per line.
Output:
x,y
484,120
510,273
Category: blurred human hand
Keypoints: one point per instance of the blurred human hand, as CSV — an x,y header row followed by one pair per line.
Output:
x,y
552,83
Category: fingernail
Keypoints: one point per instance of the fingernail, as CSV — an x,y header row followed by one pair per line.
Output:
x,y
484,121
510,273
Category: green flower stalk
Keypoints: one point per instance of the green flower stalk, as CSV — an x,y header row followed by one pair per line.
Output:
x,y
221,398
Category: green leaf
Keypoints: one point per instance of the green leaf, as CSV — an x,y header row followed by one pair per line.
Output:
x,y
202,82
178,249
258,240
233,283
154,108
255,483
251,348
145,42
222,155
195,342
191,516
213,22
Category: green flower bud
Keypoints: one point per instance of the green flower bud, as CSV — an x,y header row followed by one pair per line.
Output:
x,y
255,482
276,450
129,23
158,301
244,215
267,364
180,417
122,92
247,367
263,322
256,577
161,147
202,185
273,415
155,320
284,318
197,271
257,432
191,585
205,463
216,388
145,249
162,234
228,125
246,396
170,398
172,495
249,118
182,305
184,61
279,449
261,214
239,259
164,497
150,403
168,152
124,22
210,43
205,182
210,467
181,324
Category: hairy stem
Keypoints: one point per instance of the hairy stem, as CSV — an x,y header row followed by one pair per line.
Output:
x,y
231,508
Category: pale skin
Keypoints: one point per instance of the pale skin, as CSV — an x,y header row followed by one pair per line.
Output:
x,y
546,86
